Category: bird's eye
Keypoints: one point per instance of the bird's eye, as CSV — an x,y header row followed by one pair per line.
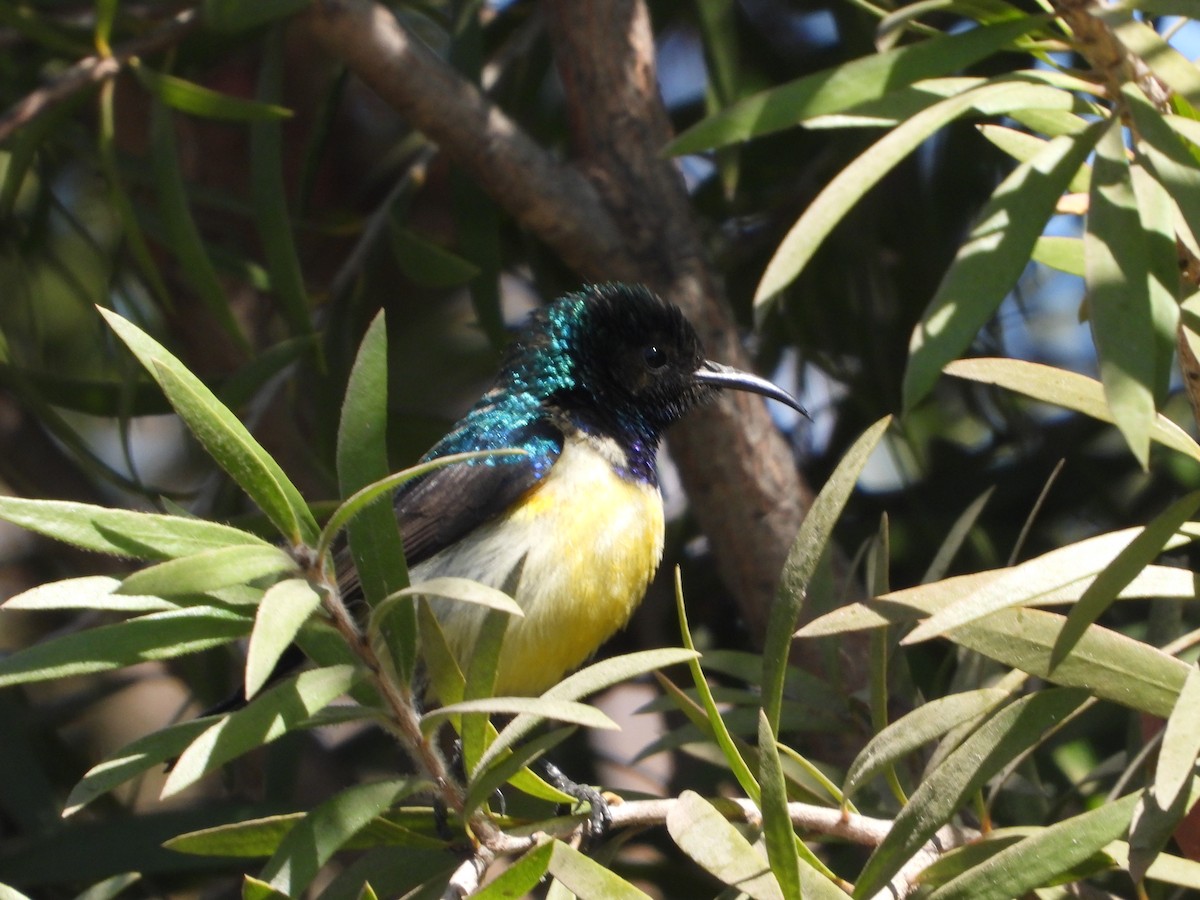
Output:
x,y
654,357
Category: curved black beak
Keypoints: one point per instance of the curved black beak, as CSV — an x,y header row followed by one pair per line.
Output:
x,y
720,376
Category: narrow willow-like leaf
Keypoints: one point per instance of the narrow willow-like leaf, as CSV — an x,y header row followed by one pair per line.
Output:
x,y
210,570
197,100
11,893
587,879
254,889
712,720
89,592
1036,860
482,668
593,678
156,636
488,781
924,724
182,235
834,90
538,707
110,887
232,447
915,603
1151,827
777,824
1181,743
801,564
122,532
374,534
236,15
327,828
1115,256
1048,574
284,609
955,537
1062,253
352,506
943,791
1024,147
268,717
1062,388
1106,663
701,832
1166,155
1053,169
134,760
1121,572
464,590
521,877
991,259
1165,867
270,197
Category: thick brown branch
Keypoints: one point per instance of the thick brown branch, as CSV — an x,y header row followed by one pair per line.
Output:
x,y
550,199
739,473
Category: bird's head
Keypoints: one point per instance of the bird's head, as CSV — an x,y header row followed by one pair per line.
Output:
x,y
615,355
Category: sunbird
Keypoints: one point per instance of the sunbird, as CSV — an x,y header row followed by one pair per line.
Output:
x,y
586,390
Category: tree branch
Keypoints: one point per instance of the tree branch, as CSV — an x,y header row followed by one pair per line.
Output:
x,y
94,69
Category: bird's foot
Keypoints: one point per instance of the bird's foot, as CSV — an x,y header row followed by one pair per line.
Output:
x,y
599,815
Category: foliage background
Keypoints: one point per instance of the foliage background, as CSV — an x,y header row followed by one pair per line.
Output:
x,y
241,193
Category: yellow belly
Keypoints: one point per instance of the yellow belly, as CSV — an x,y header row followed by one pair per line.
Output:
x,y
591,540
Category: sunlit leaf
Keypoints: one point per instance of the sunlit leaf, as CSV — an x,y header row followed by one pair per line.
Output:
x,y
268,717
701,832
777,824
285,607
943,791
89,592
209,570
836,89
991,259
587,879
156,636
1062,388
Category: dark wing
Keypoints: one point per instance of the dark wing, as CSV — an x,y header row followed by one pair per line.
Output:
x,y
448,503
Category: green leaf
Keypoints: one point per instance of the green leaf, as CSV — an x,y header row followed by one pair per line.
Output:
x,y
197,100
157,636
833,90
1118,301
270,716
1023,191
122,532
237,15
1177,71
521,877
912,731
321,833
539,707
589,680
1024,147
1063,388
801,564
942,792
1121,571
486,782
182,236
464,590
911,604
1180,745
991,259
374,533
90,592
9,893
222,435
777,823
587,879
1036,860
284,609
701,832
110,887
1055,571
270,197
253,889
1062,253
134,760
209,570
427,263
1108,664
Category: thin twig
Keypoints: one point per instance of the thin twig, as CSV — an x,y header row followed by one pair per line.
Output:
x,y
94,69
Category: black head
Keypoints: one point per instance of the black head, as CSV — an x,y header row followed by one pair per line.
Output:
x,y
617,358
